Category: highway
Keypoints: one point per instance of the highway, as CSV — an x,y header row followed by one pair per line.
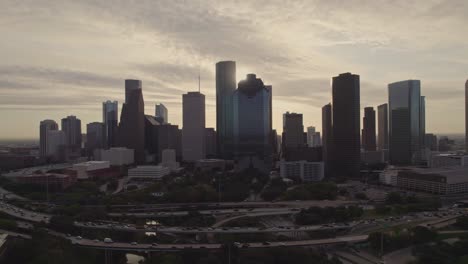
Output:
x,y
202,230
23,213
175,247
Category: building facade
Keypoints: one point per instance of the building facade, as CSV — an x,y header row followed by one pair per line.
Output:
x,y
305,170
293,130
161,113
110,111
252,123
382,113
44,127
225,87
71,126
313,137
95,137
368,130
327,137
404,100
210,142
193,130
131,133
346,125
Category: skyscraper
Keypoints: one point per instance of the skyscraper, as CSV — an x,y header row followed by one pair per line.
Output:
x,y
346,125
404,100
44,127
161,114
131,132
368,129
466,116
422,122
293,130
225,87
210,142
72,128
252,123
313,137
193,130
382,113
130,87
327,137
95,137
110,119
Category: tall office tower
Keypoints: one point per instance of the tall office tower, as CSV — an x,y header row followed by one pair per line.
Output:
x,y
225,87
131,132
313,137
382,113
210,142
161,114
368,129
110,119
466,116
293,130
193,130
130,87
422,122
72,128
44,127
346,125
151,136
404,101
327,137
95,137
252,124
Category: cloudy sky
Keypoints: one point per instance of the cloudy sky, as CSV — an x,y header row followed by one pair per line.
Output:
x,y
59,58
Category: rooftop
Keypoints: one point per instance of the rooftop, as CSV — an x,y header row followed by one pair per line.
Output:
x,y
452,174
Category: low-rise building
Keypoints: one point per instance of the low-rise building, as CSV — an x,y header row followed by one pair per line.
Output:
x,y
148,173
54,181
439,160
94,169
443,181
117,156
305,170
169,159
389,176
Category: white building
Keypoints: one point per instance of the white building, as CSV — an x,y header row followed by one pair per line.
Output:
x,y
169,159
82,169
438,160
389,176
307,171
118,156
146,173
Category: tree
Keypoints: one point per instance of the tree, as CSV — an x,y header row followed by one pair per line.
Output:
x,y
423,235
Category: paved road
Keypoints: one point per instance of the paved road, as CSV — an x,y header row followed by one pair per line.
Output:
x,y
173,247
400,256
202,230
23,213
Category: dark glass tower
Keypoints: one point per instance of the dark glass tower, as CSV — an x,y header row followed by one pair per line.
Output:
x,y
327,137
110,120
225,87
382,113
346,125
368,130
72,128
132,121
252,122
404,100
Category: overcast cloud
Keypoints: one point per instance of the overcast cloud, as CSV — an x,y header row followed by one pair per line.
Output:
x,y
66,57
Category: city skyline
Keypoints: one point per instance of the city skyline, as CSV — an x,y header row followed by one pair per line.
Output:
x,y
64,67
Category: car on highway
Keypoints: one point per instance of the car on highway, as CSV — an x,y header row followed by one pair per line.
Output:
x,y
134,243
108,240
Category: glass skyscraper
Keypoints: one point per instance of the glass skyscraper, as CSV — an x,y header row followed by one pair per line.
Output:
x,y
404,102
110,119
252,122
225,87
161,114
